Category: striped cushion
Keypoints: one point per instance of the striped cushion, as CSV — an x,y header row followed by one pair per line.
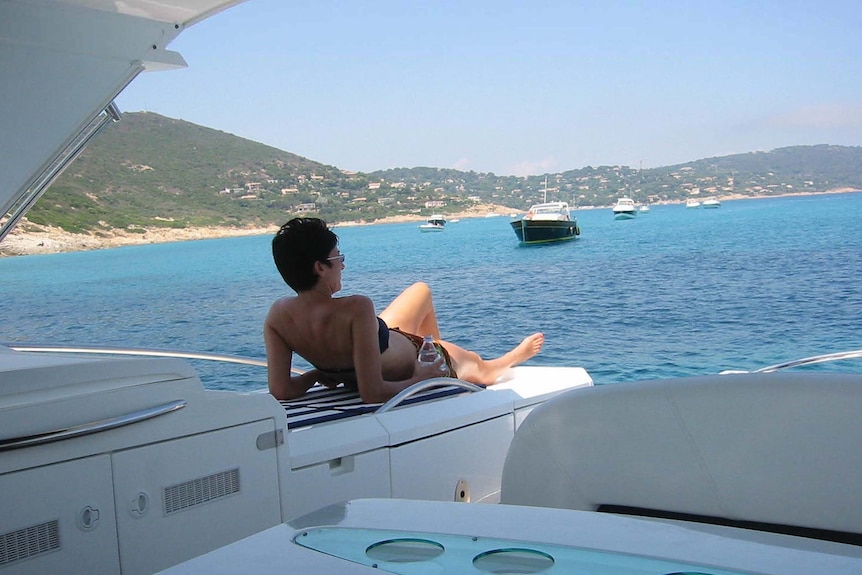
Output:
x,y
321,405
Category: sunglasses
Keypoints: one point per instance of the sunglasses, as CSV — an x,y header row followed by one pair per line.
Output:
x,y
339,258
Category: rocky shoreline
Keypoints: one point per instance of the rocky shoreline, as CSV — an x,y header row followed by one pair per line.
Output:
x,y
30,239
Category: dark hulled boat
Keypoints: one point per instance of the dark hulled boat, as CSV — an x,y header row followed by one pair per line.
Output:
x,y
549,222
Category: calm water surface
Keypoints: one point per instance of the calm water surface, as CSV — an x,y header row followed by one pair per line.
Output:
x,y
673,292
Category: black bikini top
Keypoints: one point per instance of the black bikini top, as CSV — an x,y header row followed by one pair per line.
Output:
x,y
382,335
382,340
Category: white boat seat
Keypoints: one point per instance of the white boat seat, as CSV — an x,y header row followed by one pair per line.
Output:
x,y
321,405
779,448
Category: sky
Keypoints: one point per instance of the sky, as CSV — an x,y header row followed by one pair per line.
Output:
x,y
518,87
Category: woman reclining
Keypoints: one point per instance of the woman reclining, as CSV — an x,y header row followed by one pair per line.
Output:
x,y
344,339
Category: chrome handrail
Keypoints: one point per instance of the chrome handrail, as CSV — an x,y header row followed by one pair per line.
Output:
x,y
90,427
812,360
152,352
420,386
855,354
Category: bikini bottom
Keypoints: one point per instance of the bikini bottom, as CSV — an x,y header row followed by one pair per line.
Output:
x,y
416,340
349,373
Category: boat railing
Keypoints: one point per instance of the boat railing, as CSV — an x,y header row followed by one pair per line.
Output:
x,y
855,354
405,396
90,427
155,352
139,351
421,386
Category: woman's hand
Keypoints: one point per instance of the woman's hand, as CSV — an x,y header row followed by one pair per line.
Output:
x,y
437,368
327,380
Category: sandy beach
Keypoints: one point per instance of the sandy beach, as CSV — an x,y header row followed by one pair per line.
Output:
x,y
28,238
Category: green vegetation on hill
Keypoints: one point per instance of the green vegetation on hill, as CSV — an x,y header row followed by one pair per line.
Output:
x,y
148,170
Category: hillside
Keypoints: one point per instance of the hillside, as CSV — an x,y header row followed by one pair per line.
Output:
x,y
151,171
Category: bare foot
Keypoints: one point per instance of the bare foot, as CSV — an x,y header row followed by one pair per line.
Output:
x,y
471,367
530,346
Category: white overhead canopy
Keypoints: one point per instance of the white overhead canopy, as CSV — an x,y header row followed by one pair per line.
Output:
x,y
62,62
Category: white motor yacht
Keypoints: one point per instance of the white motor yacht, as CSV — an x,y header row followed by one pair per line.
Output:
x,y
706,475
118,460
625,209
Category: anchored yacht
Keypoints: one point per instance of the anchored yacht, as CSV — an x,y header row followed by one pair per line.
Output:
x,y
625,209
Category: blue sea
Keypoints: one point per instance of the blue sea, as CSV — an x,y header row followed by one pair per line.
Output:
x,y
674,292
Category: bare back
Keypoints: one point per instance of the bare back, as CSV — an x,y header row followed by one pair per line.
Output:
x,y
319,330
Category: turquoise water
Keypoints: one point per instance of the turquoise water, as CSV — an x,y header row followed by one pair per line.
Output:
x,y
673,292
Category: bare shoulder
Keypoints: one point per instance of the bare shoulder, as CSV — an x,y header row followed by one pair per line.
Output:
x,y
281,305
358,303
280,312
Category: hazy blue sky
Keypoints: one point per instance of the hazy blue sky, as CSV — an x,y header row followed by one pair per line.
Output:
x,y
519,87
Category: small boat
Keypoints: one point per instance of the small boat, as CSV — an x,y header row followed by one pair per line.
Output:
x,y
644,209
625,209
548,222
711,203
435,223
694,204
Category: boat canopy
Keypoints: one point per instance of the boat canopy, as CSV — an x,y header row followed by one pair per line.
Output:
x,y
549,208
552,211
95,47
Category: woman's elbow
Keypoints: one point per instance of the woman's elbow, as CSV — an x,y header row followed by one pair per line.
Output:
x,y
283,392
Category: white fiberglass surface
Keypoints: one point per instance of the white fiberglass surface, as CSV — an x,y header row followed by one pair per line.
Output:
x,y
415,553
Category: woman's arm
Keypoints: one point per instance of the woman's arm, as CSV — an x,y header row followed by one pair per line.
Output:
x,y
367,362
279,357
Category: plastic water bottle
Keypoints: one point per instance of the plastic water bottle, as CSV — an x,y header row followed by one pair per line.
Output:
x,y
428,352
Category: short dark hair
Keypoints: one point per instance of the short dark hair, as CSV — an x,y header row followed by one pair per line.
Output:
x,y
297,246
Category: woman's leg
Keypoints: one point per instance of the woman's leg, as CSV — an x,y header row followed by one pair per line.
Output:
x,y
413,311
471,367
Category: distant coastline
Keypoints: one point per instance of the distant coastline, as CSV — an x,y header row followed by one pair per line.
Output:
x,y
51,240
48,240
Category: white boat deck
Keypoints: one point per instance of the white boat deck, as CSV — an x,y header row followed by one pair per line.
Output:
x,y
396,536
701,470
118,456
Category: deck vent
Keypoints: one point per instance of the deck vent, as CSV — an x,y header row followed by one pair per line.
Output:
x,y
198,491
29,542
